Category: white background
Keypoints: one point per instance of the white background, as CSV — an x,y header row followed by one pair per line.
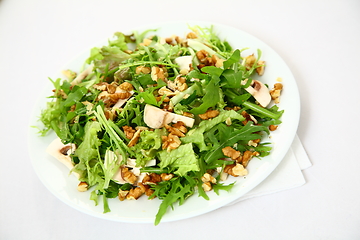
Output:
x,y
319,40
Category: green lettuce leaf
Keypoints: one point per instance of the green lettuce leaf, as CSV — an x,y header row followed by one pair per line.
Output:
x,y
183,159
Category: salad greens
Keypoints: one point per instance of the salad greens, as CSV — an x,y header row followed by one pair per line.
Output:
x,y
204,113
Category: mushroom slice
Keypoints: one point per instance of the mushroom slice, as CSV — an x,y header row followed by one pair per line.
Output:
x,y
62,153
82,76
121,102
156,118
184,62
260,92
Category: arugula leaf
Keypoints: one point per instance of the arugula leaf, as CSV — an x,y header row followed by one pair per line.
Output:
x,y
228,136
170,192
196,136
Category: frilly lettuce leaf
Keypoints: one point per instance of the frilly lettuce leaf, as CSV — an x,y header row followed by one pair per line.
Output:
x,y
183,159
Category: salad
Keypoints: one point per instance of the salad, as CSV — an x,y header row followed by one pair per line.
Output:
x,y
162,117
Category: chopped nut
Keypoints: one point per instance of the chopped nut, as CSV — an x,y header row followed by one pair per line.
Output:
x,y
166,176
135,138
208,178
111,88
276,91
157,73
119,95
174,131
207,186
151,178
209,114
231,153
126,86
179,84
273,127
165,91
129,131
142,69
122,194
191,35
135,193
250,61
83,187
261,68
235,170
146,42
248,118
247,156
254,142
202,55
170,142
128,176
187,114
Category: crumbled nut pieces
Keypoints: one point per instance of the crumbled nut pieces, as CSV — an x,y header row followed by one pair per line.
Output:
x,y
208,181
170,142
83,187
129,131
166,176
125,86
128,176
254,143
135,193
209,114
248,118
151,178
166,91
231,153
207,60
112,93
146,42
247,156
158,73
179,84
122,194
142,70
276,91
261,68
273,127
250,61
242,158
236,170
191,35
134,139
60,93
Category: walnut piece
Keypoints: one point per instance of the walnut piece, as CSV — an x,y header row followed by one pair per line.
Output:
x,y
83,187
170,142
122,194
158,73
129,132
128,176
231,153
276,91
151,178
236,170
273,127
126,86
209,114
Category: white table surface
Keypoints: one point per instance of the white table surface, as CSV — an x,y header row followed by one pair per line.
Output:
x,y
320,41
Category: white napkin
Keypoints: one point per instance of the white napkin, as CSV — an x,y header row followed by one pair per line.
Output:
x,y
287,175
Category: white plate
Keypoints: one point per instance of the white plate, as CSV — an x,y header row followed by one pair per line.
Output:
x,y
55,176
